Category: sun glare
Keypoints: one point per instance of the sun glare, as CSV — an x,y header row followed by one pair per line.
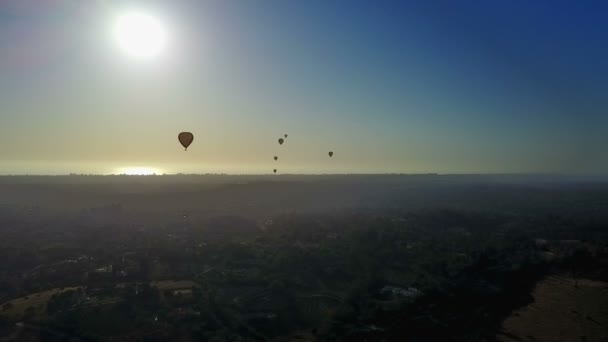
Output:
x,y
138,171
140,35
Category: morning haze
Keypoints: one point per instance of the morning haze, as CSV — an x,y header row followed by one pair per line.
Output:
x,y
391,88
320,170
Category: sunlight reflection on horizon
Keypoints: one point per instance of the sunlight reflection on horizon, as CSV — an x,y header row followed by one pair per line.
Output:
x,y
138,171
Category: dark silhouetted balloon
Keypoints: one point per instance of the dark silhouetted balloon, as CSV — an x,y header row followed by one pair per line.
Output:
x,y
331,154
285,135
275,170
281,141
275,157
185,138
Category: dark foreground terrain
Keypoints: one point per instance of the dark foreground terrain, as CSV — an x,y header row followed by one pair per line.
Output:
x,y
328,258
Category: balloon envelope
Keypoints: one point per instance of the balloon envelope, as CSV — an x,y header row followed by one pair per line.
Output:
x,y
275,170
330,154
275,157
285,135
281,141
185,138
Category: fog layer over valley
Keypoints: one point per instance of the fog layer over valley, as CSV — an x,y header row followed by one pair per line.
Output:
x,y
260,197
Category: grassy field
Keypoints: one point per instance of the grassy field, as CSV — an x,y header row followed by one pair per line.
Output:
x,y
564,309
15,309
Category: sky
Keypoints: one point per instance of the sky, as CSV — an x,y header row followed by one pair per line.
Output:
x,y
390,86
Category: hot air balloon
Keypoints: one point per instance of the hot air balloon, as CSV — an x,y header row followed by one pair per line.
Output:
x,y
275,170
185,138
285,136
281,141
330,154
275,157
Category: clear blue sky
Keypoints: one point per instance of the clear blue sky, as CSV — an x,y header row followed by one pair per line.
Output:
x,y
389,86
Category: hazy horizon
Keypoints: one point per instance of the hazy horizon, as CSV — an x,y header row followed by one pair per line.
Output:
x,y
535,177
320,170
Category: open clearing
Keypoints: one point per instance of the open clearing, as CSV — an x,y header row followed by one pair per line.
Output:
x,y
564,309
15,309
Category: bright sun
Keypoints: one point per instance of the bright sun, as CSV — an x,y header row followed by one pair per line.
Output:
x,y
140,35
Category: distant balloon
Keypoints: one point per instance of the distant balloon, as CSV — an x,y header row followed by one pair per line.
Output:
x,y
275,157
185,138
331,154
281,141
285,135
275,170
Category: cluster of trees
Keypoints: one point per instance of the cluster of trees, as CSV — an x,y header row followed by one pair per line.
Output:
x,y
319,275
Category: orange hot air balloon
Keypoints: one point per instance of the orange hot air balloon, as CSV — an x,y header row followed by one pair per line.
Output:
x,y
275,157
330,154
281,141
185,138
